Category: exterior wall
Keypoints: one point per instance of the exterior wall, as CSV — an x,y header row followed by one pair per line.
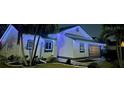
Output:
x,y
48,54
65,46
9,41
7,50
25,39
70,48
76,49
10,46
41,47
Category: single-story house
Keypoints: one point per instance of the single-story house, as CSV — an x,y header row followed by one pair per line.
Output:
x,y
71,43
75,43
46,47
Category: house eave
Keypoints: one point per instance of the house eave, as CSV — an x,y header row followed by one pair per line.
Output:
x,y
77,37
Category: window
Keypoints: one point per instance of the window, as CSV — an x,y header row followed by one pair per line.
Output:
x,y
82,47
48,46
29,45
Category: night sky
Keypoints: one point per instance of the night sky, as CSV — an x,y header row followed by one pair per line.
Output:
x,y
94,30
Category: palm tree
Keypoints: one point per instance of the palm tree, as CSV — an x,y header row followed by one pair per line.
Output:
x,y
42,30
21,30
37,30
116,30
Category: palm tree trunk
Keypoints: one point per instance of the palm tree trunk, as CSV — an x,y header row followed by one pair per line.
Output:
x,y
22,50
32,52
118,54
33,48
121,49
121,56
35,51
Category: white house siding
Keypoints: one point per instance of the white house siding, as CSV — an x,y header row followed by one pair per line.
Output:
x,y
65,47
41,47
71,48
68,43
48,54
9,41
27,37
7,51
10,47
87,45
76,49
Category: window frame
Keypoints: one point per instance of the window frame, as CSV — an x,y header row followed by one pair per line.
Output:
x,y
28,46
82,48
49,47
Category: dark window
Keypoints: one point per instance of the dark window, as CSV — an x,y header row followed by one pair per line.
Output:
x,y
48,46
82,47
29,45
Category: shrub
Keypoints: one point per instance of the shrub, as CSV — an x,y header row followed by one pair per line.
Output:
x,y
51,59
110,55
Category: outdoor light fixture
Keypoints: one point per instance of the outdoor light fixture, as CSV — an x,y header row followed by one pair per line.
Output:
x,y
122,44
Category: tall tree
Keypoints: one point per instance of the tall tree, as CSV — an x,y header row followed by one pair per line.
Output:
x,y
40,30
117,31
21,29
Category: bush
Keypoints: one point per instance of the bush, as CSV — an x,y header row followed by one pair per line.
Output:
x,y
11,58
110,55
51,59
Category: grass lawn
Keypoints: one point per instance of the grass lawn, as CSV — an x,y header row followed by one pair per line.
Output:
x,y
47,65
55,65
61,65
3,65
106,65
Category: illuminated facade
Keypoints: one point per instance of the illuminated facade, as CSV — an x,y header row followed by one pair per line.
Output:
x,y
71,43
75,43
46,46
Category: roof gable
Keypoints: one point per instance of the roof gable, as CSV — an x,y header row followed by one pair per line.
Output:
x,y
77,31
11,30
77,37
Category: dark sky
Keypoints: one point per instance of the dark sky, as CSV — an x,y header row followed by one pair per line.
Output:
x,y
93,30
